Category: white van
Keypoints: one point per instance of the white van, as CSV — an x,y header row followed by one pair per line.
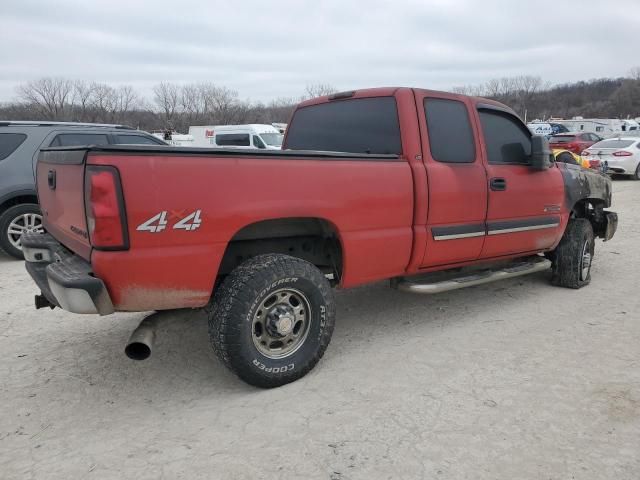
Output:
x,y
237,136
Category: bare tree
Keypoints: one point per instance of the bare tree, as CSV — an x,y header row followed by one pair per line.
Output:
x,y
83,92
166,97
318,90
634,73
51,96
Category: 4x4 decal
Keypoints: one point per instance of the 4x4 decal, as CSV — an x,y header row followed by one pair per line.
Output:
x,y
158,223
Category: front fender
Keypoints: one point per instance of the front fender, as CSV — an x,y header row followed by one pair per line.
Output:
x,y
584,184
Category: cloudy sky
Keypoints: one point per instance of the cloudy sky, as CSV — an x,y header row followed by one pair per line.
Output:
x,y
270,49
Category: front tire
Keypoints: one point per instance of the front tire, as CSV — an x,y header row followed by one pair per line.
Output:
x,y
15,221
574,255
271,320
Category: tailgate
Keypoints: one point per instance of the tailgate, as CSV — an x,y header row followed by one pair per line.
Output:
x,y
60,183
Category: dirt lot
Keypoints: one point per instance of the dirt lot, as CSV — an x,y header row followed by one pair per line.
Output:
x,y
513,380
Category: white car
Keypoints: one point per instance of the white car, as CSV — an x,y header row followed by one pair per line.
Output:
x,y
621,154
237,136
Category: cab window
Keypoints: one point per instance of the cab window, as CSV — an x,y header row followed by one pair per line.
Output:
x,y
449,130
506,138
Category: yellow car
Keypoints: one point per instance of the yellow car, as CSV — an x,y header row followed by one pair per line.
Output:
x,y
566,156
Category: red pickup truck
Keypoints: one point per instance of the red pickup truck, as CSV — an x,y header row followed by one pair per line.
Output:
x,y
432,190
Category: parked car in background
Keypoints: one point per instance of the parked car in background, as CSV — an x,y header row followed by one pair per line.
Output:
x,y
616,155
575,142
253,135
565,156
20,143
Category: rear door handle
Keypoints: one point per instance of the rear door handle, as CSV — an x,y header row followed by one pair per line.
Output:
x,y
498,184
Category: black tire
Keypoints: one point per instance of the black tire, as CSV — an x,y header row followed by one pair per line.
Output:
x,y
8,216
636,174
570,267
242,300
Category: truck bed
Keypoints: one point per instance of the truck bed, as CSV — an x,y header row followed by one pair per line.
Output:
x,y
367,198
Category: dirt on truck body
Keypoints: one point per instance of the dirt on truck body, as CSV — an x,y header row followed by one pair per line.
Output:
x,y
374,184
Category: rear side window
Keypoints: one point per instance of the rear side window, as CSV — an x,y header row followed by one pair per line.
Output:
x,y
506,139
9,142
232,139
135,140
363,125
75,139
449,129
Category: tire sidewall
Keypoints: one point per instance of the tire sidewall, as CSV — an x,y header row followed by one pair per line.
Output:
x,y
586,236
315,340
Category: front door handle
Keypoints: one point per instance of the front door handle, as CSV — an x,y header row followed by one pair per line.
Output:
x,y
498,184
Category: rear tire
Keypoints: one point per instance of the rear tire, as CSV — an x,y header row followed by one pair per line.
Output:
x,y
574,255
271,319
636,174
19,218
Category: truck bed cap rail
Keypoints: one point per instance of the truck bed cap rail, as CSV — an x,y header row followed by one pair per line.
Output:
x,y
231,152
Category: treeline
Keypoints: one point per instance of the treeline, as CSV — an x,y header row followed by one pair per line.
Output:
x,y
172,105
177,106
530,96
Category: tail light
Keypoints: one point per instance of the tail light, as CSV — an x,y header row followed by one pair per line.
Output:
x,y
622,153
104,206
594,164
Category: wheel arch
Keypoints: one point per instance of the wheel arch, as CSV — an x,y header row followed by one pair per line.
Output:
x,y
314,239
18,198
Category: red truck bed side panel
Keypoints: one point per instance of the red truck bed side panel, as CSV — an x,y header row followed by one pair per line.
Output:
x,y
369,202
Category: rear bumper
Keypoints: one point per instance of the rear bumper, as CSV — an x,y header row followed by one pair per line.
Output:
x,y
65,279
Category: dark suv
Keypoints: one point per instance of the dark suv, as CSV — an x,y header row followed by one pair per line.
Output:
x,y
19,146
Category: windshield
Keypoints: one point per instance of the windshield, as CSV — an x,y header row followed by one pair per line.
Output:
x,y
272,139
613,144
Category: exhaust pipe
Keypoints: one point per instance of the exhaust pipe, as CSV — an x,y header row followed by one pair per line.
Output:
x,y
140,343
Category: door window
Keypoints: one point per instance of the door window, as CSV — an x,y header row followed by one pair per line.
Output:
x,y
257,142
507,140
449,131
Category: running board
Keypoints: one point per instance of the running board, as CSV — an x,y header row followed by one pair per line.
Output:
x,y
467,279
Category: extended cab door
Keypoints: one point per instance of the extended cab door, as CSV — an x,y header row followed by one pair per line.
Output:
x,y
524,212
457,182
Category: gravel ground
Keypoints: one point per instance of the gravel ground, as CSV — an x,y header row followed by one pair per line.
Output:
x,y
511,380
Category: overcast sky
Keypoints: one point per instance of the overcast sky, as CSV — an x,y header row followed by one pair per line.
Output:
x,y
270,49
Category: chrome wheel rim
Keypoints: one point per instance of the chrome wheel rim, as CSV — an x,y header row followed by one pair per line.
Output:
x,y
281,323
585,262
25,223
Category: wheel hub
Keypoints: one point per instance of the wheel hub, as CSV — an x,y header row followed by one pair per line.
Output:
x,y
281,323
280,320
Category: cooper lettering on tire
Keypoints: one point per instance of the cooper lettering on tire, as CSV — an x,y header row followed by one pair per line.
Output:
x,y
272,319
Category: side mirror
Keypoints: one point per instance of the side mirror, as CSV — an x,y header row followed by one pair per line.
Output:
x,y
540,153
